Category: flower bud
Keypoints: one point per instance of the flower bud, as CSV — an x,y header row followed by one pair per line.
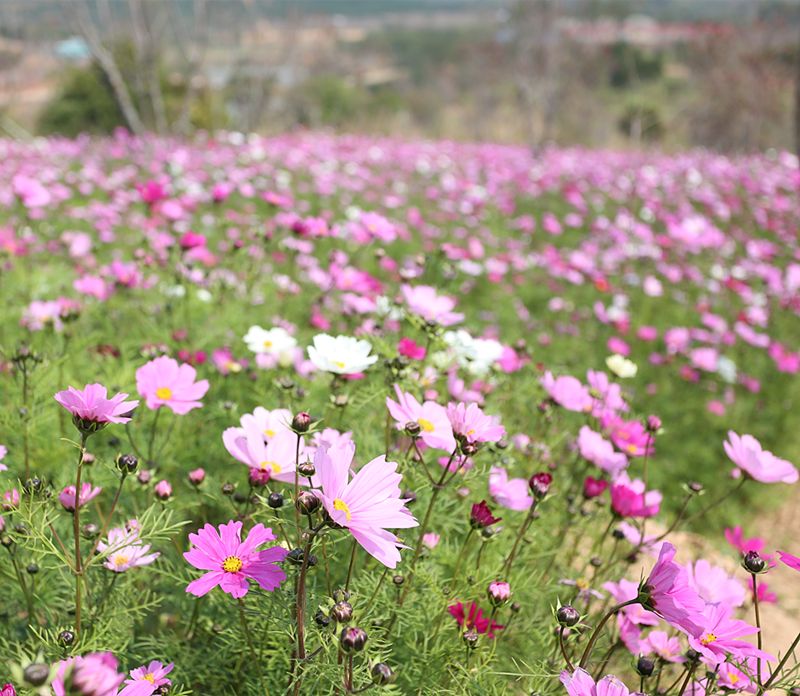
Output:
x,y
645,666
36,674
33,485
275,500
6,541
32,568
90,530
499,592
306,469
66,638
696,487
144,477
540,484
481,516
470,637
352,639
412,429
322,619
227,489
469,448
127,463
342,612
197,476
382,674
398,579
258,477
163,490
307,503
753,563
567,616
301,422
340,400
653,424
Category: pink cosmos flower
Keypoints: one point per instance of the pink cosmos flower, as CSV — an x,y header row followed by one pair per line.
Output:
x,y
630,437
8,690
717,636
269,423
789,560
275,459
368,504
165,382
667,647
624,591
668,594
424,301
596,449
411,349
765,595
67,496
92,410
429,540
746,452
147,679
714,585
434,426
735,537
10,499
231,561
580,683
472,425
474,618
567,392
125,550
511,493
95,674
629,498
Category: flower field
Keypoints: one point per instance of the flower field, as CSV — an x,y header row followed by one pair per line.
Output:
x,y
321,414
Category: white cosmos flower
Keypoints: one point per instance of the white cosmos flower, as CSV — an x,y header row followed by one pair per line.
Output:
x,y
621,366
276,341
476,354
341,355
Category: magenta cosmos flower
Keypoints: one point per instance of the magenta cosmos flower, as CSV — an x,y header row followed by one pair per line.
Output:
x,y
580,683
746,452
474,618
166,382
368,504
91,409
434,426
630,499
95,674
231,561
470,424
147,679
667,593
67,496
789,560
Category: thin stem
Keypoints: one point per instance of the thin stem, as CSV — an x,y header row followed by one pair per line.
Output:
x,y
758,625
350,567
719,500
246,630
780,666
688,678
462,553
596,633
297,487
152,439
107,522
76,529
523,530
300,608
564,649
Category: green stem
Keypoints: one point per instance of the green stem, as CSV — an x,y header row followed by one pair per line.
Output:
x,y
350,567
596,633
777,670
152,439
76,529
758,625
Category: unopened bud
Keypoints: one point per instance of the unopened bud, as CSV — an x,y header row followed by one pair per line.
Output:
x,y
307,503
301,422
342,612
306,469
353,639
567,616
753,563
127,463
540,484
36,674
275,500
382,674
645,666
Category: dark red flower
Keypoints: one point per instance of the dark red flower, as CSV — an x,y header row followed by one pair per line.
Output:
x,y
474,619
481,516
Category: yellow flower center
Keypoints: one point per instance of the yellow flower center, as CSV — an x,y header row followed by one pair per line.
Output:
x,y
733,678
339,364
631,448
164,393
232,564
272,467
267,344
121,560
234,367
269,433
582,584
426,425
471,431
339,504
150,677
708,638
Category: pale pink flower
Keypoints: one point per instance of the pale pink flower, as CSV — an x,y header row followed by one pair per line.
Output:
x,y
67,496
91,409
434,426
748,455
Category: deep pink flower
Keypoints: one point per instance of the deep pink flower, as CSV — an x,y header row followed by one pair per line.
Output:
x,y
470,424
163,489
92,410
629,498
765,595
147,679
593,487
474,619
630,437
165,382
434,426
409,348
368,504
8,690
789,560
746,452
94,674
667,592
67,496
736,538
480,516
231,561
